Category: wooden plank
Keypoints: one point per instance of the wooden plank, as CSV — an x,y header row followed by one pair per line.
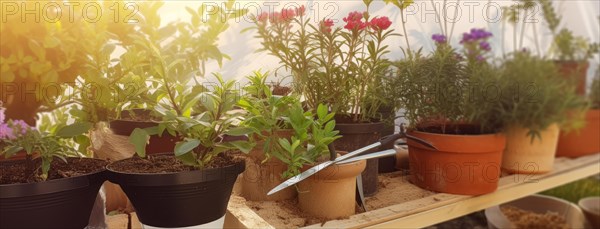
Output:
x,y
135,222
397,212
243,216
120,221
442,207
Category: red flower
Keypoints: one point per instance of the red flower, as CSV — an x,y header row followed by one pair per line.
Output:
x,y
354,21
326,25
380,23
300,11
288,14
353,16
262,17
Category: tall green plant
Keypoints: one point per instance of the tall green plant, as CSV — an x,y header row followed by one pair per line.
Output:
x,y
534,95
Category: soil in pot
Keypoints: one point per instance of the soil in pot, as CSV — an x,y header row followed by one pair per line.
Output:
x,y
575,71
261,176
356,136
331,192
522,219
167,193
522,155
584,141
462,164
65,200
139,118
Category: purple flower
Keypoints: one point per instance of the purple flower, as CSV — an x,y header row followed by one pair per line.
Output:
x,y
6,133
439,38
480,58
20,126
2,115
484,45
474,35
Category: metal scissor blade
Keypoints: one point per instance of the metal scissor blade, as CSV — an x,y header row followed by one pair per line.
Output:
x,y
294,180
379,154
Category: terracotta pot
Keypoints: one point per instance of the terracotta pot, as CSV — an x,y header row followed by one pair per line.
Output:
x,y
463,164
581,142
527,157
330,193
575,71
156,144
355,136
260,177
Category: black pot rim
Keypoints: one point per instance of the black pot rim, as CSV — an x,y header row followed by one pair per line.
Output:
x,y
174,178
359,128
50,186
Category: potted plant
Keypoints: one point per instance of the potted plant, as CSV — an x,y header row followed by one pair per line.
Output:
x,y
585,140
446,104
195,182
570,52
134,85
267,115
334,66
56,193
533,110
331,192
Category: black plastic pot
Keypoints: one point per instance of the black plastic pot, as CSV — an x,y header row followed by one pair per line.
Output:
x,y
387,164
181,199
355,136
60,203
156,144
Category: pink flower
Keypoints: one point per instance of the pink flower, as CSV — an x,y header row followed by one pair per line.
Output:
x,y
300,11
326,25
288,14
380,23
275,17
2,115
262,17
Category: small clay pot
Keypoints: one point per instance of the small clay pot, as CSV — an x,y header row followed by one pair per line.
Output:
x,y
261,176
591,210
462,164
524,156
584,141
330,193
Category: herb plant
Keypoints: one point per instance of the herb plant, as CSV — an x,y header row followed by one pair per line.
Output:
x,y
595,91
204,133
534,96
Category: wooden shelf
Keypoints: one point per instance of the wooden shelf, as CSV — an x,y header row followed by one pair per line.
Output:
x,y
441,207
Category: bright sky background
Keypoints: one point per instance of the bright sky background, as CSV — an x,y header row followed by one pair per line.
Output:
x,y
581,16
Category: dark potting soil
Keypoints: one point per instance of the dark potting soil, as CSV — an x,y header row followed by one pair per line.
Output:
x,y
16,172
454,129
281,90
169,164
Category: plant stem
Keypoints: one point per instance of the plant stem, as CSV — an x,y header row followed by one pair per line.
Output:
x,y
535,38
439,18
404,29
454,22
523,31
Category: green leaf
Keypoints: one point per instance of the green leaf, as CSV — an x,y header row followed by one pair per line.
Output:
x,y
322,111
187,146
239,131
243,146
74,129
188,159
139,138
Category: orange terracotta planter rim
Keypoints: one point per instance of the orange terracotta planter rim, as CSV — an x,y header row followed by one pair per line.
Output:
x,y
453,143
